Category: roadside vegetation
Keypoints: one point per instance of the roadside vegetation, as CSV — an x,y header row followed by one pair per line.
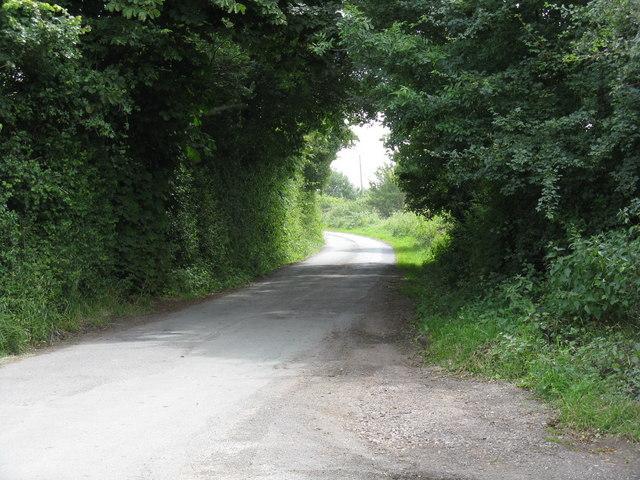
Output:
x,y
570,334
384,217
146,151
164,148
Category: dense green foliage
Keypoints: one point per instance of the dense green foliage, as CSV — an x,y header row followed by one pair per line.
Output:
x,y
520,119
599,278
157,147
339,213
339,186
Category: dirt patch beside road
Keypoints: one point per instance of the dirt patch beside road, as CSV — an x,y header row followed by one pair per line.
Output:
x,y
421,422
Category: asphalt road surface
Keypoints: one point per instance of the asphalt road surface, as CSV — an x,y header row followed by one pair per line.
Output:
x,y
306,374
161,400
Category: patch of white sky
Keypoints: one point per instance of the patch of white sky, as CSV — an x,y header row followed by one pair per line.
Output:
x,y
368,152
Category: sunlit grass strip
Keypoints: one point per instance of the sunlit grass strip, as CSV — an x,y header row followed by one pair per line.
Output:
x,y
410,252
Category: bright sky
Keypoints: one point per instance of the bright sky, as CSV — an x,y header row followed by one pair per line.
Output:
x,y
369,148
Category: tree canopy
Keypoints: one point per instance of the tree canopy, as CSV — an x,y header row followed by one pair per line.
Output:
x,y
165,145
384,195
518,118
339,186
159,146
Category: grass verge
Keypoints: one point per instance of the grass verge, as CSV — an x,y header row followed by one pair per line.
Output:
x,y
411,254
590,373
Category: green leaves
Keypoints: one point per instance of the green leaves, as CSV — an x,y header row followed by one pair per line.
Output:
x,y
517,116
339,186
152,146
38,30
599,278
140,9
384,195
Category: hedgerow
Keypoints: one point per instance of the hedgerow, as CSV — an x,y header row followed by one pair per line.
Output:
x,y
146,149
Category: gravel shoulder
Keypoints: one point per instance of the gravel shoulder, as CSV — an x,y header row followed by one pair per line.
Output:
x,y
430,424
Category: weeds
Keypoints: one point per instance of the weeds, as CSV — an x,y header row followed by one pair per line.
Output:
x,y
590,374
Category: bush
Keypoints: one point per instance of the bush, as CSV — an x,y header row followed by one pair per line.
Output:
x,y
428,232
358,214
504,330
599,279
348,214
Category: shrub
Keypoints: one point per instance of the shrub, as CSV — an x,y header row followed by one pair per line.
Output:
x,y
427,231
348,214
599,279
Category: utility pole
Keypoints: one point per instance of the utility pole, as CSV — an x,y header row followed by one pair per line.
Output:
x,y
361,185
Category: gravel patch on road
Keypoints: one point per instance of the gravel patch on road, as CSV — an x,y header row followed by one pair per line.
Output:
x,y
422,422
